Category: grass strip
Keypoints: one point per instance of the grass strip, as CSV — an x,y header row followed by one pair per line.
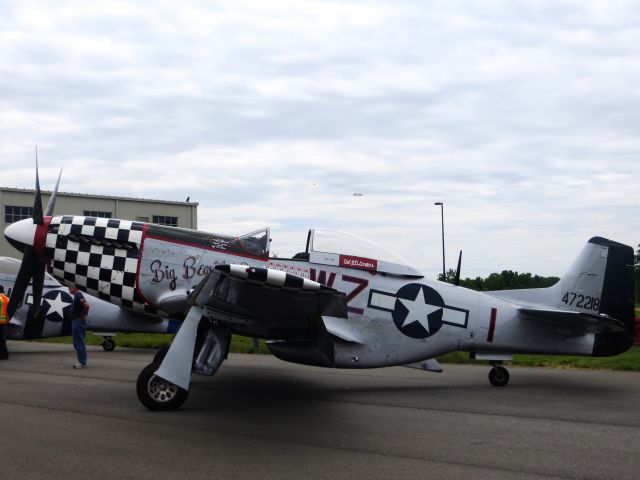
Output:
x,y
628,361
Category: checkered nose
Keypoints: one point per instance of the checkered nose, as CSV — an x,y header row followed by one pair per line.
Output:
x,y
21,234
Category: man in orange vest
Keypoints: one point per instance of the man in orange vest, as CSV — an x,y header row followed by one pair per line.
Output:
x,y
4,301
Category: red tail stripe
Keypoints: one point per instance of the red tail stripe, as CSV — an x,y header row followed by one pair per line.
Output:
x,y
492,324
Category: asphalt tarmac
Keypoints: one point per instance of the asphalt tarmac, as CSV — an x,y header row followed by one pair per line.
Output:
x,y
263,418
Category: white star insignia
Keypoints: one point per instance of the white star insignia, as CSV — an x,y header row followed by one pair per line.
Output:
x,y
57,304
419,310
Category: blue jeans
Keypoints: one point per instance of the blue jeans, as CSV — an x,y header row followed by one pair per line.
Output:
x,y
77,331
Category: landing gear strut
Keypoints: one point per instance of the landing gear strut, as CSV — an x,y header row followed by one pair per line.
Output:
x,y
211,347
160,354
498,376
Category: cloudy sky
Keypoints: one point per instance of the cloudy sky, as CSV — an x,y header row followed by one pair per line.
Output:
x,y
523,117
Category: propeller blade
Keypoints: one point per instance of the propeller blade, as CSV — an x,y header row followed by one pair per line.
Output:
x,y
52,201
32,267
29,265
456,281
38,218
38,284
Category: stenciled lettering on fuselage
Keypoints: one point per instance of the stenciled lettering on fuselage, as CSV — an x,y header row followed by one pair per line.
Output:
x,y
361,263
300,271
417,310
173,257
163,273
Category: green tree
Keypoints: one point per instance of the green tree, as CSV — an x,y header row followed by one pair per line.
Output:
x,y
473,283
507,279
449,277
495,281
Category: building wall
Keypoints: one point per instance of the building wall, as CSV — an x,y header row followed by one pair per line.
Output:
x,y
76,204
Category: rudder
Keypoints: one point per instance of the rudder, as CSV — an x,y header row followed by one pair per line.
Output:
x,y
617,297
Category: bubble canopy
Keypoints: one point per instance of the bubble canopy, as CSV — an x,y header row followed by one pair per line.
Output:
x,y
322,243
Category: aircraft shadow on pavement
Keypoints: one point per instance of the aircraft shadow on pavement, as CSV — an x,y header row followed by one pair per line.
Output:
x,y
276,391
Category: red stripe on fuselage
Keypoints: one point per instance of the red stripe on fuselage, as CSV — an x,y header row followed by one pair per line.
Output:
x,y
138,290
40,238
492,324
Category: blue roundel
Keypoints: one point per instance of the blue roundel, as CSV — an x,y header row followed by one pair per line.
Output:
x,y
54,304
418,310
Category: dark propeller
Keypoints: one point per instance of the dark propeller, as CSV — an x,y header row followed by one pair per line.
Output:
x,y
51,204
456,280
32,268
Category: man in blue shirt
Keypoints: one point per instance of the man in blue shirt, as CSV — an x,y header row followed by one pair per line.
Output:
x,y
79,311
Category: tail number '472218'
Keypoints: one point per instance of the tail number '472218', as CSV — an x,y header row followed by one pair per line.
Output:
x,y
581,301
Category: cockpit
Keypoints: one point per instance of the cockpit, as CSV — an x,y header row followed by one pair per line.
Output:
x,y
324,247
334,247
254,243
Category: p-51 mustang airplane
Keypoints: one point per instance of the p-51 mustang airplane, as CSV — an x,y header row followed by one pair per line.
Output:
x,y
50,320
341,303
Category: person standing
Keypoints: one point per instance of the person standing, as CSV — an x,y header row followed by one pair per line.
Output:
x,y
4,301
79,311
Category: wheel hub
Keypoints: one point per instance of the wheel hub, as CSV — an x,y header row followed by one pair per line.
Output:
x,y
161,390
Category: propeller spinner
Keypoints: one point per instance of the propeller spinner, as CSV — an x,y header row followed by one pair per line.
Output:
x,y
29,236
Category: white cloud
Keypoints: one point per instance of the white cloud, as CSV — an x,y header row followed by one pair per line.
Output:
x,y
521,116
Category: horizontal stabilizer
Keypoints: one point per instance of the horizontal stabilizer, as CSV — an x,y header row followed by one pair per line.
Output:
x,y
578,321
430,365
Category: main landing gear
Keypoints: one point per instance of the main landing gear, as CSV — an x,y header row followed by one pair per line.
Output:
x,y
498,375
156,393
211,348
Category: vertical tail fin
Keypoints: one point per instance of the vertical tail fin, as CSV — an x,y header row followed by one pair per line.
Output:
x,y
600,281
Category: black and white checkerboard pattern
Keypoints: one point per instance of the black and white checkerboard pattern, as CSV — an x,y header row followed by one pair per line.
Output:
x,y
104,271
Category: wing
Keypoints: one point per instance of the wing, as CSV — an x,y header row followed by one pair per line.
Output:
x,y
578,321
259,302
266,302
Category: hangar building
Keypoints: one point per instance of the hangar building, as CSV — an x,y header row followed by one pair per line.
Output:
x,y
17,203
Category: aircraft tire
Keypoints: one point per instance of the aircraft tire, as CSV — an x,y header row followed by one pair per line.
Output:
x,y
499,376
156,393
109,344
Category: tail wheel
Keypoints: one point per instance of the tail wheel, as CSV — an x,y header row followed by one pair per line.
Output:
x,y
155,393
109,344
499,376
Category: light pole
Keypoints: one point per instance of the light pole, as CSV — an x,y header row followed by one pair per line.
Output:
x,y
444,277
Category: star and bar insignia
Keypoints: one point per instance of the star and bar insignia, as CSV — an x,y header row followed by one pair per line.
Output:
x,y
418,310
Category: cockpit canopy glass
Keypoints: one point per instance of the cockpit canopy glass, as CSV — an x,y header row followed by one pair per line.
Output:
x,y
335,241
254,243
